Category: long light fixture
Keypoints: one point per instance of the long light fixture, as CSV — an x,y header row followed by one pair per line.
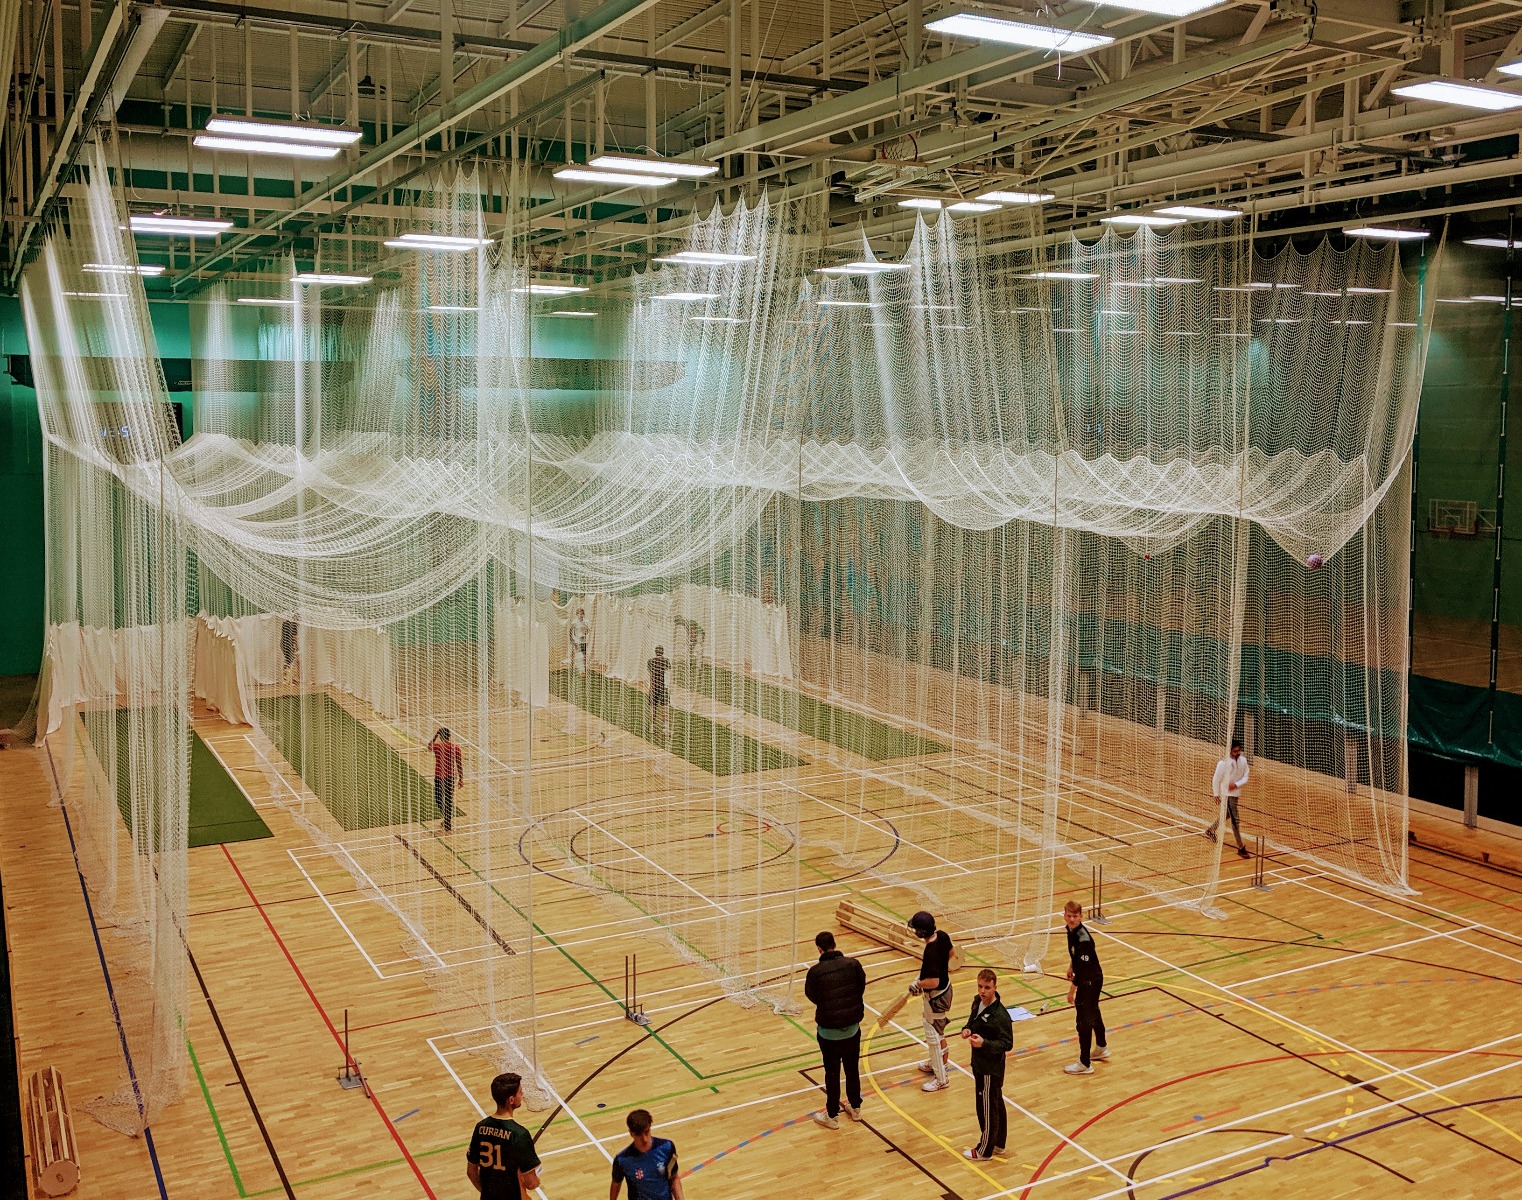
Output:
x,y
849,304
1466,95
1367,291
706,258
436,241
96,295
1200,212
284,131
323,278
178,226
1493,243
619,178
653,166
1018,33
1383,233
1017,197
453,308
550,289
972,206
720,320
1142,220
146,270
687,297
573,312
211,141
929,203
1075,276
280,301
1510,68
862,268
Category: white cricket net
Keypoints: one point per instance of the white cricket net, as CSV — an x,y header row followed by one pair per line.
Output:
x,y
939,583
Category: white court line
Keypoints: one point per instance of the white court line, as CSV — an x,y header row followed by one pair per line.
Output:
x,y
1508,935
680,882
1338,960
341,924
869,825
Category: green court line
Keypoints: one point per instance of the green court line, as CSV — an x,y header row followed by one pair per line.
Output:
x,y
360,779
856,732
707,745
216,1122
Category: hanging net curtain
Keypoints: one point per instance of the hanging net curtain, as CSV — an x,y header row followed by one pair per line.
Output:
x,y
946,579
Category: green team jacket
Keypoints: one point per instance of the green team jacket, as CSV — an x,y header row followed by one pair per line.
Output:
x,y
998,1033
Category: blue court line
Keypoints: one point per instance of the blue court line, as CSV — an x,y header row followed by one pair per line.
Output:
x,y
153,1154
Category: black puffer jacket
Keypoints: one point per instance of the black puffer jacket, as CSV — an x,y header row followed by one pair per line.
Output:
x,y
836,985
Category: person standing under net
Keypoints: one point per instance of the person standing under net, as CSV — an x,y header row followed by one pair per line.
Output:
x,y
660,696
1086,978
581,641
933,987
448,769
1231,775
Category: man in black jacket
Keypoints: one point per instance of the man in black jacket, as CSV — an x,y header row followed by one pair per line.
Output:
x,y
992,1035
836,984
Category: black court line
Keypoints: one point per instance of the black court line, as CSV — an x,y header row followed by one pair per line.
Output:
x,y
459,899
248,1095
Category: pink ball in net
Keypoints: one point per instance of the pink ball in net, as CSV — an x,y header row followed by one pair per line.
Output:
x,y
1314,561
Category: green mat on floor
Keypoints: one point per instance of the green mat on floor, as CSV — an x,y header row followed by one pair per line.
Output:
x,y
360,779
818,719
219,811
708,746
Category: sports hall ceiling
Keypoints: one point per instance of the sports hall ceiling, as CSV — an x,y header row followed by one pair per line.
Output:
x,y
1283,108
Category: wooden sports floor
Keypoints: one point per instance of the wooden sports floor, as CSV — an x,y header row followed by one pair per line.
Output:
x,y
1325,1039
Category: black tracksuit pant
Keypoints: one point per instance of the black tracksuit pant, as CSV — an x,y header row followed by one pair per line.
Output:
x,y
1091,1026
988,1087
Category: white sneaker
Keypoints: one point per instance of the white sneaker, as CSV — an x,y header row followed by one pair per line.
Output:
x,y
824,1118
1100,1055
1078,1068
935,1085
853,1113
927,1067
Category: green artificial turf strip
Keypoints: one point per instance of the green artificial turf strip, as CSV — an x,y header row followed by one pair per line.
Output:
x,y
361,780
706,745
851,731
219,811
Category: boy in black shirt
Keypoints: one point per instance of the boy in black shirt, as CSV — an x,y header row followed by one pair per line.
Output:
x,y
934,988
992,1035
501,1162
1086,978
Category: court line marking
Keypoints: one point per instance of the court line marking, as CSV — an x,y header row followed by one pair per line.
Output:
x,y
1344,958
342,924
680,882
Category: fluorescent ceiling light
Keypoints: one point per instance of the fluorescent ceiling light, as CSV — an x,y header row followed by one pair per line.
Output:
x,y
862,268
453,308
1075,275
1467,95
265,300
1147,219
147,271
1018,33
316,135
720,320
1324,295
550,289
1200,212
1368,291
687,297
1402,324
926,202
706,258
1279,321
1174,279
436,241
654,166
848,304
178,226
1352,322
1511,69
1017,197
1245,287
1163,8
573,312
209,141
971,206
1493,243
1386,234
97,295
579,175
1490,299
327,277
1455,300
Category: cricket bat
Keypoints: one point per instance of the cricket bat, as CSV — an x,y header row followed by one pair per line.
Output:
x,y
893,1010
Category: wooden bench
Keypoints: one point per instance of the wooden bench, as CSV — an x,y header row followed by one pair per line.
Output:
x,y
890,931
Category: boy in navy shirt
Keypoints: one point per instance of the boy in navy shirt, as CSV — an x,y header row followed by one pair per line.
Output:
x,y
648,1163
1086,978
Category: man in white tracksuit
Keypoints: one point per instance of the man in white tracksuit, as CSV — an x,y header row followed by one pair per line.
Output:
x,y
1230,776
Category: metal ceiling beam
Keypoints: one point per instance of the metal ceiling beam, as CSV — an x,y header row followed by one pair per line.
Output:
x,y
510,75
177,56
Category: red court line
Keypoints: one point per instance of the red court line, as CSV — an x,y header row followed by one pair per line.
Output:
x,y
322,1012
